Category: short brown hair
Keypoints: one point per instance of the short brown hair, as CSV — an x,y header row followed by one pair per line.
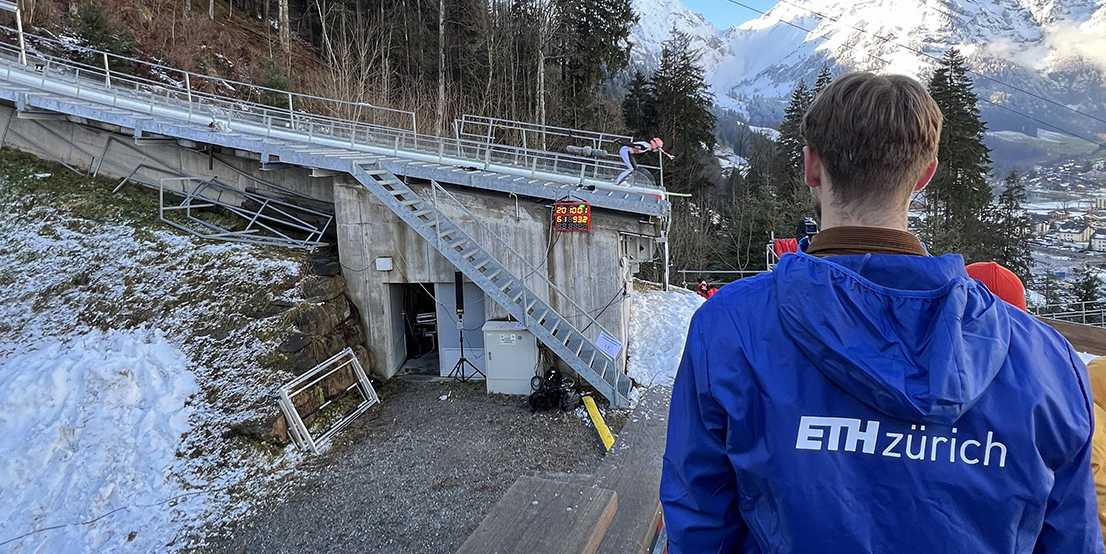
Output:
x,y
875,135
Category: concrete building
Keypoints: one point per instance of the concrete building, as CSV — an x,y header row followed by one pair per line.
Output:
x,y
594,269
402,284
1098,241
1076,232
1041,223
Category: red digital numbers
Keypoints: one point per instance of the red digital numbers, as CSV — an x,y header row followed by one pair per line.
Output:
x,y
572,217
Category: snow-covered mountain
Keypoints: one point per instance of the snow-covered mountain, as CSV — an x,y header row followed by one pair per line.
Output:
x,y
657,18
1055,48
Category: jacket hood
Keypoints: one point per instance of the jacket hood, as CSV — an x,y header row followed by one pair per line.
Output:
x,y
911,336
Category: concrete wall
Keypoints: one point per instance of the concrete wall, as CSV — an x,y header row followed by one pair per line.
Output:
x,y
588,267
83,146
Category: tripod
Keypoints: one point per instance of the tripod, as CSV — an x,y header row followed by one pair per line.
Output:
x,y
458,371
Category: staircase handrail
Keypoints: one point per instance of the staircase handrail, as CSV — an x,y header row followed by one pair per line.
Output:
x,y
533,269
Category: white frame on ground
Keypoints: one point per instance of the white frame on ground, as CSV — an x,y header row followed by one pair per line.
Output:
x,y
296,426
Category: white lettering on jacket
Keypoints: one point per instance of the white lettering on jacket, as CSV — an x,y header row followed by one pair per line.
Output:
x,y
842,434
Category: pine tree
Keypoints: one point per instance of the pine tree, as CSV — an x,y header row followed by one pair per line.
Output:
x,y
594,45
959,196
1087,286
787,165
825,77
1012,228
1053,290
638,110
684,119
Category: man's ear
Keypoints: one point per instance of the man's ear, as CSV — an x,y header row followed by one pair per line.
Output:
x,y
927,176
812,168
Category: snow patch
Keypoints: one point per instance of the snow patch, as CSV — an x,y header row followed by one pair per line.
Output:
x,y
769,132
658,329
90,425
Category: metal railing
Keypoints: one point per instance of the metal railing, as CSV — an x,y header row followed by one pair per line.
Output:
x,y
267,220
109,85
1086,313
526,134
530,269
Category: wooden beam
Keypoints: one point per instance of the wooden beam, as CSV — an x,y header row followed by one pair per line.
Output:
x,y
633,471
1085,338
545,516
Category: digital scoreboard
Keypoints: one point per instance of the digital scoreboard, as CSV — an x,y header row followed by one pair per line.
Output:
x,y
571,216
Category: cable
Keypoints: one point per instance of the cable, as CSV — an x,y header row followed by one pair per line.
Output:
x,y
1102,145
596,317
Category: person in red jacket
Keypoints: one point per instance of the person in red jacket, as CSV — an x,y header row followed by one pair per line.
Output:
x,y
703,288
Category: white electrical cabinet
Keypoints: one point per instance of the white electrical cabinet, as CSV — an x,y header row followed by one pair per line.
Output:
x,y
510,356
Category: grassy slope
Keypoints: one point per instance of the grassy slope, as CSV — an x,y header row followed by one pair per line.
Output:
x,y
74,257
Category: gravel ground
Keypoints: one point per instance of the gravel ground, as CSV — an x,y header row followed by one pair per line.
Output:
x,y
414,474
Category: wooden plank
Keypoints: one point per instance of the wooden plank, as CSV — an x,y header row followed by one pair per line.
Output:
x,y
633,471
1085,338
543,516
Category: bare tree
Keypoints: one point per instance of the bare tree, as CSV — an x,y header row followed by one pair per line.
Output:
x,y
440,113
211,9
285,26
354,48
547,16
74,7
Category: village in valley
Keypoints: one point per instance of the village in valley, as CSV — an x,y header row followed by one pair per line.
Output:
x,y
1067,206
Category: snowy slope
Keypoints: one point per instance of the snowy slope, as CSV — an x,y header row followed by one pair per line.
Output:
x,y
1053,47
126,352
88,427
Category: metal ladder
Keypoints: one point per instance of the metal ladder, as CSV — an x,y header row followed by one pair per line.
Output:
x,y
504,287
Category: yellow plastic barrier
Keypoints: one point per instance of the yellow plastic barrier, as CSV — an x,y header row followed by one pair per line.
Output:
x,y
600,425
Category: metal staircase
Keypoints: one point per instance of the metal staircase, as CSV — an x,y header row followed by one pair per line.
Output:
x,y
507,289
51,87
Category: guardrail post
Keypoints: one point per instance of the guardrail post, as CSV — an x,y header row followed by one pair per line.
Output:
x,y
107,71
19,28
291,112
661,167
188,92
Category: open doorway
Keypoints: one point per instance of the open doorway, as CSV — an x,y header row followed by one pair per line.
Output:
x,y
420,325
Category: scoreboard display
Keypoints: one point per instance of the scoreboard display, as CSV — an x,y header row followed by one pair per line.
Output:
x,y
572,216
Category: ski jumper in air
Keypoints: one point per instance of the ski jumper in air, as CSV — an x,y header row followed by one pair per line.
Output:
x,y
628,151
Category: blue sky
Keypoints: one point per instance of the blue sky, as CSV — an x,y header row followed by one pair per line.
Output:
x,y
724,14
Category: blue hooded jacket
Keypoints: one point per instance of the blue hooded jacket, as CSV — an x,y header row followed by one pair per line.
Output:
x,y
876,403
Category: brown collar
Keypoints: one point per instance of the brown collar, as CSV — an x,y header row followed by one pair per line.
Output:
x,y
837,241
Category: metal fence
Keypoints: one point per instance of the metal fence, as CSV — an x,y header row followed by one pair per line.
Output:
x,y
327,121
1086,313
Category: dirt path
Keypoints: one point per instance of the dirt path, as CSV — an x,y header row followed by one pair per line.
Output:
x,y
415,474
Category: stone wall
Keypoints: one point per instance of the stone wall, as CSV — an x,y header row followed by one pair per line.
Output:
x,y
320,323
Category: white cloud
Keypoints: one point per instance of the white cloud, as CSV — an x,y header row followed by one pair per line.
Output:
x,y
1087,41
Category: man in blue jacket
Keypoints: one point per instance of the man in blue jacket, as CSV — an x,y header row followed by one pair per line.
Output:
x,y
866,396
